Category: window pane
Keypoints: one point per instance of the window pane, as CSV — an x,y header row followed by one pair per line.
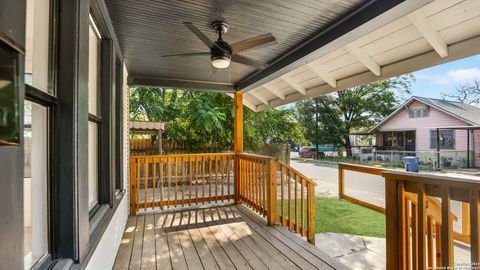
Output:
x,y
36,43
35,184
92,164
93,70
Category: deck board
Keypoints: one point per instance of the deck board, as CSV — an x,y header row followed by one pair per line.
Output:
x,y
225,237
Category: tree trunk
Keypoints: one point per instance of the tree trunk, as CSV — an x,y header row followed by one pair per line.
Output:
x,y
348,146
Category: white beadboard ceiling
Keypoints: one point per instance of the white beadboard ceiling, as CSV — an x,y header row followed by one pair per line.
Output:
x,y
439,32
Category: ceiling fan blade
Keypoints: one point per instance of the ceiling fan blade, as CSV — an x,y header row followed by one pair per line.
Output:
x,y
186,54
248,61
207,41
252,42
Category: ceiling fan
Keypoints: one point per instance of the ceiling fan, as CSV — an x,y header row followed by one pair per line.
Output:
x,y
221,53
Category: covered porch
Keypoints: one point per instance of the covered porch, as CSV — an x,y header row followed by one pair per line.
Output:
x,y
88,54
222,237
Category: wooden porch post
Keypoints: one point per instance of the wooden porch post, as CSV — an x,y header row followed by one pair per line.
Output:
x,y
237,142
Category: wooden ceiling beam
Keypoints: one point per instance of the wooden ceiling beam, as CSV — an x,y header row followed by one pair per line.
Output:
x,y
430,34
322,73
259,97
274,91
366,60
294,85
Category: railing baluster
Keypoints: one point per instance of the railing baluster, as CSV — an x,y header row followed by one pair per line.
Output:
x,y
154,181
474,226
438,245
447,229
182,179
145,188
176,182
228,176
169,180
137,199
282,196
422,218
210,179
296,202
290,223
406,230
197,167
216,178
414,236
302,208
203,180
221,164
190,169
161,164
430,253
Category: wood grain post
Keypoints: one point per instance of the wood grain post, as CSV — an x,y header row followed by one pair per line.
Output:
x,y
447,229
421,227
272,192
133,190
392,222
474,226
311,213
341,181
237,143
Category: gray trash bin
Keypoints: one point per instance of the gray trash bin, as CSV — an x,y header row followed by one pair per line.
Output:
x,y
411,164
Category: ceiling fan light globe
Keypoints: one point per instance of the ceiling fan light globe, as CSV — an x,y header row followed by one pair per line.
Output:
x,y
221,62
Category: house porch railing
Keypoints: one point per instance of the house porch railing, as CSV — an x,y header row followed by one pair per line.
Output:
x,y
266,185
424,215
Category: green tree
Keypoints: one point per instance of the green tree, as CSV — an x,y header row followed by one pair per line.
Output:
x,y
354,109
197,119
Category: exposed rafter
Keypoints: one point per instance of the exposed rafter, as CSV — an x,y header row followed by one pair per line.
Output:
x,y
364,59
322,73
246,102
274,91
427,31
294,85
259,97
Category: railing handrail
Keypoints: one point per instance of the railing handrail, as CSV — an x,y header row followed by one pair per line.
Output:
x,y
362,168
308,179
243,154
183,155
455,182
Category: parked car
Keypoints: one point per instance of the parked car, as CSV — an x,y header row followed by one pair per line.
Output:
x,y
306,152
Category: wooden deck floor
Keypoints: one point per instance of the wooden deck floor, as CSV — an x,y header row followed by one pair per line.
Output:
x,y
225,237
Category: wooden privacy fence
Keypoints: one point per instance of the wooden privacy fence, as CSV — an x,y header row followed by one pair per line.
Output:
x,y
278,192
417,240
172,180
267,186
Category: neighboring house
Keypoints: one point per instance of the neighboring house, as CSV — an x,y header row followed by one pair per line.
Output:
x,y
413,128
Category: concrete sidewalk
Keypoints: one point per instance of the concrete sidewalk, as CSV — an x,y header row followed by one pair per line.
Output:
x,y
356,252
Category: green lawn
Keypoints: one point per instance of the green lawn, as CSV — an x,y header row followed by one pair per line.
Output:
x,y
340,216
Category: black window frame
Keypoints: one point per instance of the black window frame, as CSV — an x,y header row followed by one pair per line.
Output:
x,y
433,139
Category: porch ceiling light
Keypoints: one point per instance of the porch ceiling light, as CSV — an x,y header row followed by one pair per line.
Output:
x,y
220,61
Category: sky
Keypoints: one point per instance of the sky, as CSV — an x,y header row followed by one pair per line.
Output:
x,y
432,82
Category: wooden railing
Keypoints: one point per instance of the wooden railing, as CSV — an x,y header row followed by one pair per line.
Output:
x,y
173,180
267,186
255,182
278,192
297,202
342,168
417,239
